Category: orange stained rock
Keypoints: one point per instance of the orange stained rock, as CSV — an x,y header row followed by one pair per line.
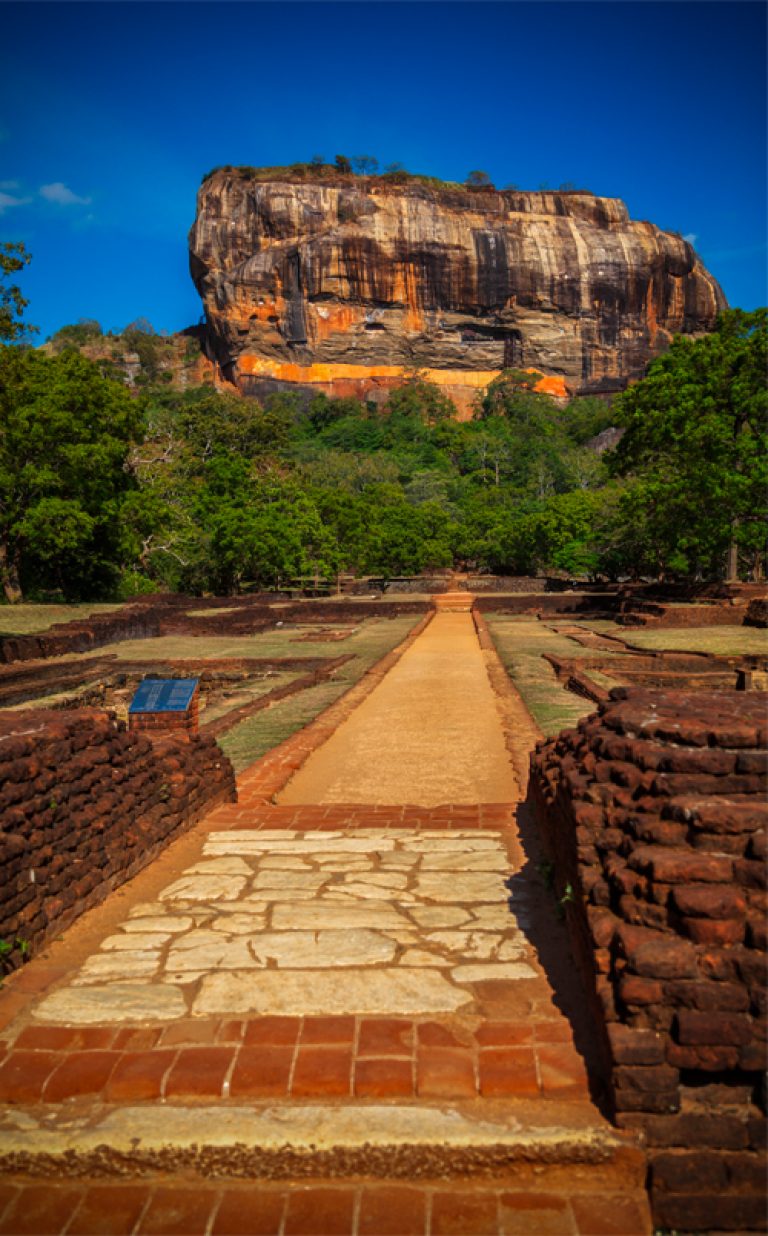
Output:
x,y
406,292
257,366
339,380
553,385
331,319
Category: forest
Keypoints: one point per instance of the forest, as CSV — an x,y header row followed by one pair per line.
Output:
x,y
111,491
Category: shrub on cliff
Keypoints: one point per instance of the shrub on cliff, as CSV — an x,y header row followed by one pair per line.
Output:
x,y
76,334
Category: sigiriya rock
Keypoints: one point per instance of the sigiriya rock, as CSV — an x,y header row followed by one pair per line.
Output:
x,y
345,284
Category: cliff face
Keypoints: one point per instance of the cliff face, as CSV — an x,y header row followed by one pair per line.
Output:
x,y
346,285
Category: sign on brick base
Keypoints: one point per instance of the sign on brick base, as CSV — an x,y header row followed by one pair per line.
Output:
x,y
165,704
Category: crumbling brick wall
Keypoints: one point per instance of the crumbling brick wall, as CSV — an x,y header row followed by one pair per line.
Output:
x,y
167,616
84,805
653,813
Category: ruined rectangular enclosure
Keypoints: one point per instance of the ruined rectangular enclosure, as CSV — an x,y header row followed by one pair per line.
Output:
x,y
652,809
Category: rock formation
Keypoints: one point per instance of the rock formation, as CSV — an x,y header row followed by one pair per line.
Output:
x,y
345,284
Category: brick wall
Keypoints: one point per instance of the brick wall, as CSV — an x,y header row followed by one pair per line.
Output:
x,y
653,813
141,621
85,805
506,583
147,620
593,603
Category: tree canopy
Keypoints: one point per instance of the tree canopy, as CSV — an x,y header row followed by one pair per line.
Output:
x,y
65,434
13,258
110,491
695,449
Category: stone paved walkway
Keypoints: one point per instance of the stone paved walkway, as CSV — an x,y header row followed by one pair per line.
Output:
x,y
355,1018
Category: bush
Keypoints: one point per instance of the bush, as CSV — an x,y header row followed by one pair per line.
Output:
x,y
134,584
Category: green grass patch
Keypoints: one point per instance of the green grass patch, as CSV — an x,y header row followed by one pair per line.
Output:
x,y
212,613
521,644
32,619
257,735
724,641
243,693
371,638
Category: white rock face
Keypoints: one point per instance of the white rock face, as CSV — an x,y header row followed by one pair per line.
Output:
x,y
299,950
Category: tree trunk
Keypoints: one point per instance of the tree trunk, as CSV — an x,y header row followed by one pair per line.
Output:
x,y
9,574
732,560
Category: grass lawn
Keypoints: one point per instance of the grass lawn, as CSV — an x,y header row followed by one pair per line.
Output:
x,y
521,644
253,737
212,613
239,694
367,637
32,619
725,641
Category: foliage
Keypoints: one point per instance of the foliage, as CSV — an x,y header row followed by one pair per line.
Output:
x,y
13,258
365,165
103,491
478,180
76,334
140,337
66,432
695,449
342,163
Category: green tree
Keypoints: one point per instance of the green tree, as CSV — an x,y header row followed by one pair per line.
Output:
x,y
65,436
13,258
695,448
365,165
421,399
342,163
478,180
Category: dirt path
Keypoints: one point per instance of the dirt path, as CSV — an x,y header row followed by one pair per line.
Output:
x,y
430,733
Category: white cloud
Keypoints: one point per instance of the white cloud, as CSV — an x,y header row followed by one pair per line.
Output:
x,y
691,237
9,184
62,196
7,200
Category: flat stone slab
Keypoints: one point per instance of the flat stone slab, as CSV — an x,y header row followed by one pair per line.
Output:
x,y
113,1003
398,922
293,993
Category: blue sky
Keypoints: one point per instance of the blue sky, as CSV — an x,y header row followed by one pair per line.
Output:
x,y
110,113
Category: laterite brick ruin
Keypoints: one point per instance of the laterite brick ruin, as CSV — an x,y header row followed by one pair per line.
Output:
x,y
85,805
654,816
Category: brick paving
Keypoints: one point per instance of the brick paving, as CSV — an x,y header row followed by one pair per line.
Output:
x,y
367,1057
499,1048
310,1208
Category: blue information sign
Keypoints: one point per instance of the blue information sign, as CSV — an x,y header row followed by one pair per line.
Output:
x,y
164,695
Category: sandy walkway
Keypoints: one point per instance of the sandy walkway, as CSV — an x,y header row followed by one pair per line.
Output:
x,y
431,732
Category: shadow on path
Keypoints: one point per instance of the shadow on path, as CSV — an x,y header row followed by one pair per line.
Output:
x,y
533,902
